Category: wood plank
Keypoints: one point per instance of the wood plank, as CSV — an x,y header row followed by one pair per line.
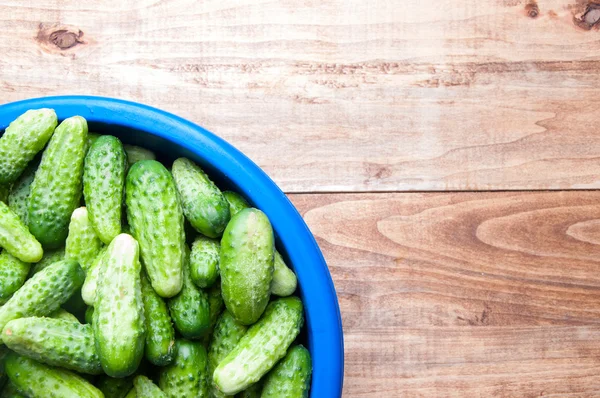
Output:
x,y
465,294
340,95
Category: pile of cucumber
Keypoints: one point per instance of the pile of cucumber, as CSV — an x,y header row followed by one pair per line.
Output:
x,y
121,278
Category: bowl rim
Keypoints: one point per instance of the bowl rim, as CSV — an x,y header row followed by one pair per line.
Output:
x,y
325,335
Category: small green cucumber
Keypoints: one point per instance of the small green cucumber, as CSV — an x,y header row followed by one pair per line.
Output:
x,y
132,393
88,290
18,199
22,140
291,377
190,309
226,335
253,391
236,202
247,265
263,345
203,203
49,257
215,306
83,245
55,342
188,375
56,188
103,184
136,153
160,337
92,137
144,387
13,273
89,315
113,387
118,322
64,315
284,280
204,261
37,380
44,292
156,219
16,239
10,391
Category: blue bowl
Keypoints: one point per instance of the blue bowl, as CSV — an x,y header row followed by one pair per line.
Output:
x,y
170,137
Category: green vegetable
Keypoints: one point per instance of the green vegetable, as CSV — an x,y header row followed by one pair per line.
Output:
x,y
103,184
118,322
204,261
18,200
16,239
263,345
10,391
136,153
13,273
236,202
156,220
89,315
113,387
55,342
83,245
49,257
131,394
64,315
56,188
215,304
284,280
144,387
188,375
22,140
291,377
37,380
247,265
44,292
92,137
160,337
88,290
203,203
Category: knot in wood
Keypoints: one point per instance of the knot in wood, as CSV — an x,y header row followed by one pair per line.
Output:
x,y
65,39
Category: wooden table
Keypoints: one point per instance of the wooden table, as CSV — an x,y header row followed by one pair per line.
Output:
x,y
445,154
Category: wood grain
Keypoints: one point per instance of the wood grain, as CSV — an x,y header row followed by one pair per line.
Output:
x,y
340,95
465,294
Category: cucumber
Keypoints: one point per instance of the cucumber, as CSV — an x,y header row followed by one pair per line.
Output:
x,y
22,140
156,219
263,345
188,375
16,239
56,188
291,377
215,304
144,387
136,153
18,199
284,280
112,387
247,265
49,257
83,245
190,309
236,202
253,391
118,322
64,315
204,261
89,315
203,203
92,137
37,380
55,342
13,273
44,292
10,391
132,393
160,337
103,184
226,335
88,290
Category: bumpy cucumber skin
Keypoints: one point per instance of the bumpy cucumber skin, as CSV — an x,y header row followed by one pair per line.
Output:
x,y
118,324
83,245
291,377
10,391
88,290
18,199
55,342
16,239
44,292
203,203
247,265
103,184
37,380
160,337
226,335
56,188
236,202
190,309
253,391
204,261
64,315
188,375
22,140
144,387
113,387
89,315
263,345
284,280
136,153
49,257
155,217
215,305
13,273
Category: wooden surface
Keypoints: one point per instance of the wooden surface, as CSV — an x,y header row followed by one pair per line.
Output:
x,y
351,104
